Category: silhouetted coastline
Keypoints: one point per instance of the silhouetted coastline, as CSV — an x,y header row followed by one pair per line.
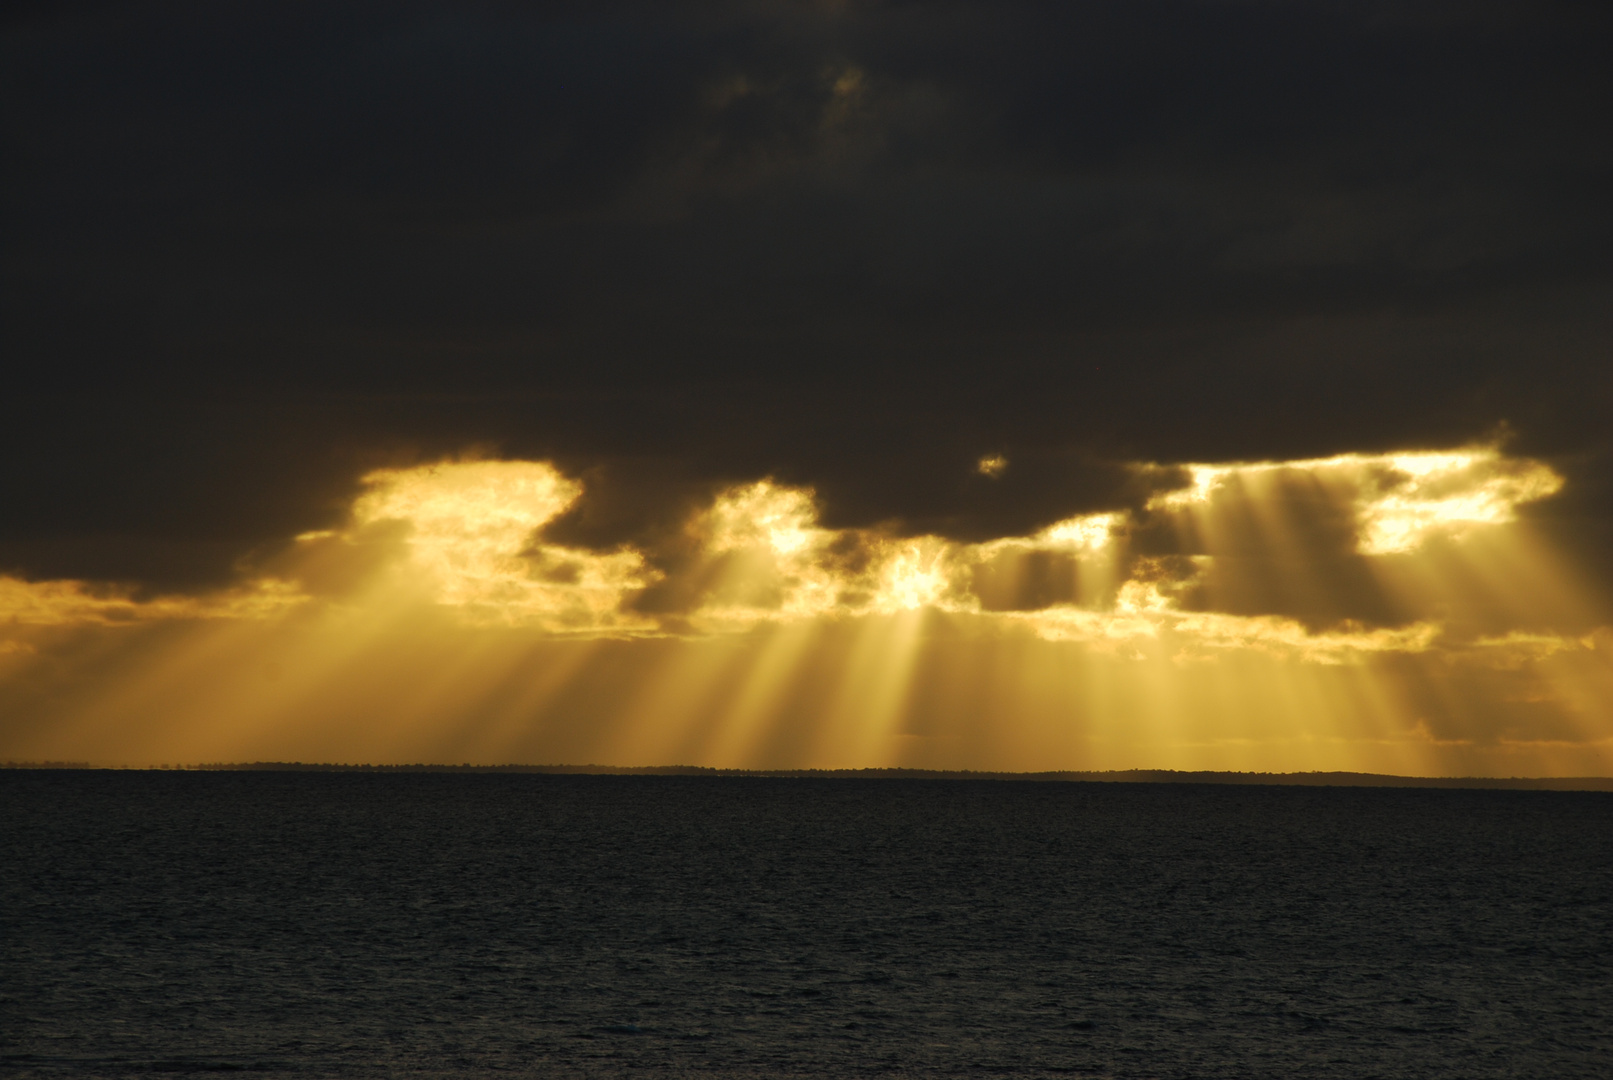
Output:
x,y
1117,776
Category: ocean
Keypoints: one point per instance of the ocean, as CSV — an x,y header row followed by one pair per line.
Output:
x,y
467,925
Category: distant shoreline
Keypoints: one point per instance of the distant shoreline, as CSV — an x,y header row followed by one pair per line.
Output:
x,y
1118,776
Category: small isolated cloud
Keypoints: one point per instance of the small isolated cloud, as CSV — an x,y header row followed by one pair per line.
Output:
x,y
992,466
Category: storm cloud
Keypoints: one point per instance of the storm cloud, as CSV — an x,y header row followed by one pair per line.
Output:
x,y
252,252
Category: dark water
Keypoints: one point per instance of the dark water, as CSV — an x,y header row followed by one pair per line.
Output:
x,y
357,925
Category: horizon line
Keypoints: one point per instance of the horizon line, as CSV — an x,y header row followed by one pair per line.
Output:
x,y
1313,778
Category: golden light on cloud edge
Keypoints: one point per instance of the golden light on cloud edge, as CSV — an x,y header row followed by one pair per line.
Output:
x,y
1400,499
437,622
471,541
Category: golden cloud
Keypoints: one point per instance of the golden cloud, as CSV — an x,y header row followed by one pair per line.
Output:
x,y
67,603
471,541
1399,501
440,621
468,538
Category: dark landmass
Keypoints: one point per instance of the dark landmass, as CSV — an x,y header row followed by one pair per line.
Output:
x,y
1120,776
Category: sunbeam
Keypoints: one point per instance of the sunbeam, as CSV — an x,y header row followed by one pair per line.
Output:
x,y
1385,612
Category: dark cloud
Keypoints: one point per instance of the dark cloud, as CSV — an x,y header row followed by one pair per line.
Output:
x,y
251,251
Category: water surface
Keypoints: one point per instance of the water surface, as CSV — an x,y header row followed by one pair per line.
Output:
x,y
413,925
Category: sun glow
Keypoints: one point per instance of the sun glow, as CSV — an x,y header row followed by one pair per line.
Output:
x,y
1386,612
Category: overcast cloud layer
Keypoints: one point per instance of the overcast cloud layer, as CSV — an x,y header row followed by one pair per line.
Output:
x,y
252,252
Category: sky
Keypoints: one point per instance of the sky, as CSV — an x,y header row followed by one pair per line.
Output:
x,y
1208,384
